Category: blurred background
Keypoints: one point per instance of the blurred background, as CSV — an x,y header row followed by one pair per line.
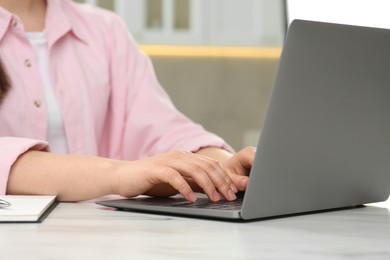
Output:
x,y
217,58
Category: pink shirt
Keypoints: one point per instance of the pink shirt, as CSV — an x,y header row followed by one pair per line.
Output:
x,y
111,101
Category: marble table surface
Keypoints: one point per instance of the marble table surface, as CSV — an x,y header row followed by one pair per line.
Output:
x,y
88,231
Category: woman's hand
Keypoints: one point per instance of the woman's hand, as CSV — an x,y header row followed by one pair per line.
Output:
x,y
236,165
181,171
239,165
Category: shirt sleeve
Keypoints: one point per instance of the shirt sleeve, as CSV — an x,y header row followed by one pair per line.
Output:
x,y
10,149
144,121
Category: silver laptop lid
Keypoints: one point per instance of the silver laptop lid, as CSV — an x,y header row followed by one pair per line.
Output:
x,y
326,138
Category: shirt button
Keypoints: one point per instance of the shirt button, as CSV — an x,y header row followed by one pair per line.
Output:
x,y
37,103
14,23
27,62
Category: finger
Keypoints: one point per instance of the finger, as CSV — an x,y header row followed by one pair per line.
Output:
x,y
241,163
177,181
200,171
240,181
186,165
205,184
212,177
246,157
220,178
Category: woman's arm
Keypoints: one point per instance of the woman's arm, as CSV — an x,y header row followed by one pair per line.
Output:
x,y
71,177
75,178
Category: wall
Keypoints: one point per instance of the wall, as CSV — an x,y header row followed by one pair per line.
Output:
x,y
228,96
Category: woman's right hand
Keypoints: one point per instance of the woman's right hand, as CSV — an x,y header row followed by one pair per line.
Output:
x,y
173,171
78,177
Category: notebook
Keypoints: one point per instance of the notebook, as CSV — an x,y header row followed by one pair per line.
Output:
x,y
325,142
26,208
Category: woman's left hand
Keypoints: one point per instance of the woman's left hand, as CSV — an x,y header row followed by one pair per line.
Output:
x,y
239,165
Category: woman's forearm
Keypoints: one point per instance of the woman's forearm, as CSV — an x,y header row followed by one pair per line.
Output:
x,y
70,177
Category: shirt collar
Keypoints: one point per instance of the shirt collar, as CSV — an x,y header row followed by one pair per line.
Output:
x,y
5,20
61,19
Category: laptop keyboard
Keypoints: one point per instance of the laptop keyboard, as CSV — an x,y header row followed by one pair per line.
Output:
x,y
204,203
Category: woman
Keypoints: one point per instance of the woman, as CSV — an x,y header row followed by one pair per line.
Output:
x,y
79,82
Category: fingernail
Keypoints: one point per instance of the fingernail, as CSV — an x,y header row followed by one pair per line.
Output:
x,y
192,197
216,196
244,183
233,187
232,195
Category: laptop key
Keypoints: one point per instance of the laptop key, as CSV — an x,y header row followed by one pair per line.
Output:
x,y
207,204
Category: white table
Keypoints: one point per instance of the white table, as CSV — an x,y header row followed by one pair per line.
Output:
x,y
88,231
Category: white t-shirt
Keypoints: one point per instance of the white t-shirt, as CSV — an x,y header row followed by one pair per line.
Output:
x,y
56,132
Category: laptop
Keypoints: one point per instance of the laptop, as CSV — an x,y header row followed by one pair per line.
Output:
x,y
325,142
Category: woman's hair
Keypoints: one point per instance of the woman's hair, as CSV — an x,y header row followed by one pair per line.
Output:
x,y
4,82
